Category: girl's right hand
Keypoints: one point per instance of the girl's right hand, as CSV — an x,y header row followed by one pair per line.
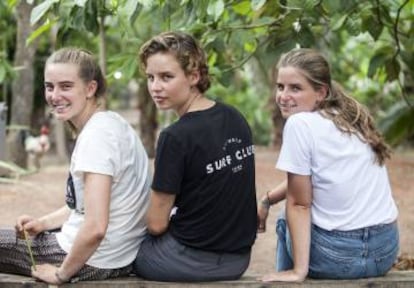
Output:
x,y
32,225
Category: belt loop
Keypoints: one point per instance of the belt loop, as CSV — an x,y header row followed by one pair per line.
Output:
x,y
366,234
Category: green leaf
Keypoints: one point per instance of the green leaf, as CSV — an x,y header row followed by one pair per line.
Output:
x,y
375,30
129,68
392,68
257,4
39,31
242,8
41,10
11,3
377,61
310,4
2,72
397,123
147,3
80,3
353,26
129,8
215,9
339,23
370,23
250,46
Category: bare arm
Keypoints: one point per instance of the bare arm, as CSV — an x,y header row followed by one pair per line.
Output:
x,y
278,193
273,196
158,215
97,192
48,222
298,213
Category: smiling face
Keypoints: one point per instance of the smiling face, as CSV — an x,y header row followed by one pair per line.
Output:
x,y
294,92
67,94
169,86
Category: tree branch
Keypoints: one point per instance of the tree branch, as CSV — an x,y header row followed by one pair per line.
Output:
x,y
243,61
397,52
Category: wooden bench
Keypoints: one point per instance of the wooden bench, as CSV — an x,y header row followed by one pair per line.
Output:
x,y
398,279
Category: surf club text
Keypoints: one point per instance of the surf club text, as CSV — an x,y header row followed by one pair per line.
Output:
x,y
231,160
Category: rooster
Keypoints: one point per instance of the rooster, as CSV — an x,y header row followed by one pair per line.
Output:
x,y
36,147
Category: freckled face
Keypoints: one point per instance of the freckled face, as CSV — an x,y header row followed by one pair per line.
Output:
x,y
169,86
294,93
66,93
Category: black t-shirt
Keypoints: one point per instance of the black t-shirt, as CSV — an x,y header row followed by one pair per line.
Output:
x,y
206,159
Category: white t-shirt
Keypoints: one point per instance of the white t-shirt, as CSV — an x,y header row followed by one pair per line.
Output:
x,y
108,145
350,190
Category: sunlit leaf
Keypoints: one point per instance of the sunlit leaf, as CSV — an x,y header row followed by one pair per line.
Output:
x,y
215,9
257,4
129,8
250,46
80,3
242,7
147,3
338,23
41,10
39,31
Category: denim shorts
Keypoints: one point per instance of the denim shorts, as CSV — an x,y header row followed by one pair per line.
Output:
x,y
360,253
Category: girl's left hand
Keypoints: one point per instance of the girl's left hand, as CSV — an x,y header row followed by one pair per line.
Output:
x,y
46,273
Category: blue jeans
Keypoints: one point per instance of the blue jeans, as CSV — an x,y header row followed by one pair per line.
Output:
x,y
360,253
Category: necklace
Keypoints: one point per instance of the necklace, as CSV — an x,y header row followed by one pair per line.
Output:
x,y
190,104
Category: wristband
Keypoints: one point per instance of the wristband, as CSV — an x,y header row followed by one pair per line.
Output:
x,y
266,201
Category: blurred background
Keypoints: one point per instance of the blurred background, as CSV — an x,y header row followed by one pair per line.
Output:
x,y
370,44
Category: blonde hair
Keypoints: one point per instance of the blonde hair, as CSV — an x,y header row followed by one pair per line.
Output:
x,y
89,70
348,115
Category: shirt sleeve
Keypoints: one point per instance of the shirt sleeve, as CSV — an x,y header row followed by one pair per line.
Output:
x,y
169,165
296,152
98,152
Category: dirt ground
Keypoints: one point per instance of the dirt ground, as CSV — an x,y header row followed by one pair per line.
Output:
x,y
39,193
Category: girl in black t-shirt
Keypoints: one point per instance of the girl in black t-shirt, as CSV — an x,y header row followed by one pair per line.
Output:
x,y
202,216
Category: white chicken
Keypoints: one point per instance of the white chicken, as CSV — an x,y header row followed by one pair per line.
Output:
x,y
36,147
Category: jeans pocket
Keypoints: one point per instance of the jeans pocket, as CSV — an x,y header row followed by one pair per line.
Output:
x,y
334,257
386,259
328,262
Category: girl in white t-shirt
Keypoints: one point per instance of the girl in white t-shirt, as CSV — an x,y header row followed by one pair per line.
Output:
x,y
102,224
340,220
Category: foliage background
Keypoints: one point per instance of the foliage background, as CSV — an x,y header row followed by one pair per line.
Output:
x,y
368,42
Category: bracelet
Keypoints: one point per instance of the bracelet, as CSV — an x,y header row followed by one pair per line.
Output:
x,y
266,202
61,281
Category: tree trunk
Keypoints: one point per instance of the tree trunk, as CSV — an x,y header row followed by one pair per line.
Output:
x,y
102,51
278,123
262,82
22,86
148,123
277,120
